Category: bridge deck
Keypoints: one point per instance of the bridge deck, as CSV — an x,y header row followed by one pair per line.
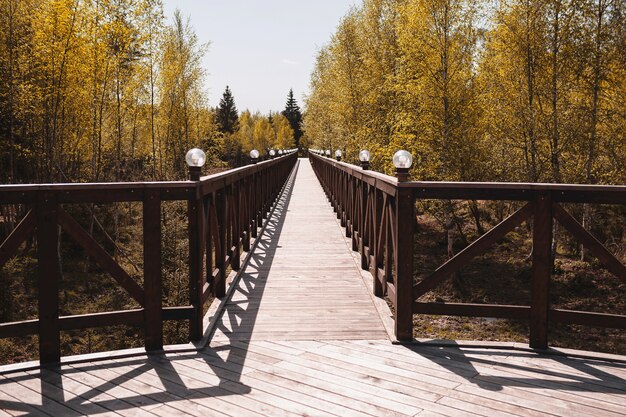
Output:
x,y
301,281
300,335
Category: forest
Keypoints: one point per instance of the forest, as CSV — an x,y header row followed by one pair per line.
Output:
x,y
111,90
514,90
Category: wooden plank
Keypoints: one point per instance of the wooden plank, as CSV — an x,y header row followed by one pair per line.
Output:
x,y
473,310
52,394
12,404
194,397
124,387
476,248
573,193
22,231
77,392
403,259
33,399
105,260
156,378
110,318
610,262
542,269
196,233
152,275
225,382
400,389
586,318
19,328
49,278
178,313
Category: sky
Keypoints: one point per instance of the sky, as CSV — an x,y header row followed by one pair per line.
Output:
x,y
261,49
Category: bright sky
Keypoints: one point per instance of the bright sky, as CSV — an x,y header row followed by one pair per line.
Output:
x,y
261,49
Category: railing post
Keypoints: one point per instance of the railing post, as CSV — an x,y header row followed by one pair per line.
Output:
x,y
195,212
49,276
542,269
404,235
152,277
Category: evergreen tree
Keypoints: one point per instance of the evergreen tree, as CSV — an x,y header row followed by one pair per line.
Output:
x,y
226,116
293,114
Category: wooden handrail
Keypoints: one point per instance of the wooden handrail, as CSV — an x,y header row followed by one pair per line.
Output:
x,y
224,212
378,214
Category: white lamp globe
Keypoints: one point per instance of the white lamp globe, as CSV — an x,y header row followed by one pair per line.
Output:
x,y
254,154
338,153
195,157
272,152
402,159
364,156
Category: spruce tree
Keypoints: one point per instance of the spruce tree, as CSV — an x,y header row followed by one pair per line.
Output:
x,y
226,114
293,114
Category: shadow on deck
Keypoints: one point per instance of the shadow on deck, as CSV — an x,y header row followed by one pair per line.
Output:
x,y
323,378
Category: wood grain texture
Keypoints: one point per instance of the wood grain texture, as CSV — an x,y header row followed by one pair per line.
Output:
x,y
323,378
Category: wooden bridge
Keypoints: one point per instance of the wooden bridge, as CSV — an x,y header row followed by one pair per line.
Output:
x,y
299,327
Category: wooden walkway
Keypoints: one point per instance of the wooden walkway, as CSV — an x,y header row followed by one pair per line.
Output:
x,y
301,336
302,282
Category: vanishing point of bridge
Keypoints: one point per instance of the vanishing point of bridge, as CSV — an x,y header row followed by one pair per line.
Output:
x,y
299,327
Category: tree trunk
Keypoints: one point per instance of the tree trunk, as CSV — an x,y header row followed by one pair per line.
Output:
x,y
554,148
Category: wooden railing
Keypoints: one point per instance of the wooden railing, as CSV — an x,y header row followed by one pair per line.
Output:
x,y
378,213
224,212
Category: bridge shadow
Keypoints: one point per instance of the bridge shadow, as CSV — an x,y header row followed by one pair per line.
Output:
x,y
494,369
160,379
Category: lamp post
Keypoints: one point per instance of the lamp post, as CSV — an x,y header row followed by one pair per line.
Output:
x,y
254,156
364,157
402,160
338,155
328,153
272,153
195,159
